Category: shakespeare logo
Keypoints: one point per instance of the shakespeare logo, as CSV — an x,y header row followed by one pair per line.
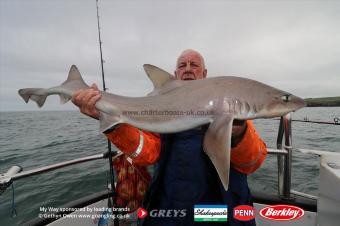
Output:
x,y
204,213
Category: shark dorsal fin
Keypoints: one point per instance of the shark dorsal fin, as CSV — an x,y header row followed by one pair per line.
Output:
x,y
158,76
73,75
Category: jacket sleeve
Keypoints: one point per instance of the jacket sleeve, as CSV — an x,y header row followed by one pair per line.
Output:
x,y
250,153
141,146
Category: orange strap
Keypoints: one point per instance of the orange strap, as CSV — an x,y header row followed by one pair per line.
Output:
x,y
143,147
250,153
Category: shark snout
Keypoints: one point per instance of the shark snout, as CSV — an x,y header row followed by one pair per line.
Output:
x,y
283,104
297,102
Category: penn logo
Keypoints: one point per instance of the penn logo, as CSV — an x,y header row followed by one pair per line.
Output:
x,y
244,213
282,212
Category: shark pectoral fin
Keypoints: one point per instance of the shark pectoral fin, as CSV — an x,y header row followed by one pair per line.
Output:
x,y
157,76
216,144
107,121
64,98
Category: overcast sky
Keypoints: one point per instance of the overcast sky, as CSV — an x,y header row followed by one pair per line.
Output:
x,y
291,45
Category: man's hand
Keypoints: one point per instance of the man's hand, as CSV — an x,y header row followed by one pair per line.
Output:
x,y
238,131
86,101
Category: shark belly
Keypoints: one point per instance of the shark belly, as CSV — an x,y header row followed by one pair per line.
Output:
x,y
171,125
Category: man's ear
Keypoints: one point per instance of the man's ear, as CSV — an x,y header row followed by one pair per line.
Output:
x,y
175,73
205,73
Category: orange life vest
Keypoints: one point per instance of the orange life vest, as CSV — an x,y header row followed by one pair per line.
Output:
x,y
143,148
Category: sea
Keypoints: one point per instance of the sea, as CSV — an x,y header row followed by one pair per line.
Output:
x,y
39,138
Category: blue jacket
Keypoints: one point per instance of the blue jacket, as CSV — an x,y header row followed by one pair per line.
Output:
x,y
184,176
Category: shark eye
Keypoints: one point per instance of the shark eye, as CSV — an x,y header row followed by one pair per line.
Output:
x,y
286,98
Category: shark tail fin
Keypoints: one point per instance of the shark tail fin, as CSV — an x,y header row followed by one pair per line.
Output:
x,y
38,95
73,83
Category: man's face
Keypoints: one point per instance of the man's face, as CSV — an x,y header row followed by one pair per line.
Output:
x,y
190,66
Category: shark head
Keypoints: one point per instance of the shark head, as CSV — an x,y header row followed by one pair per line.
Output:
x,y
281,103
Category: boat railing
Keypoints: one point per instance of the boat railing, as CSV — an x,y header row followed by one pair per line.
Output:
x,y
284,162
282,151
15,172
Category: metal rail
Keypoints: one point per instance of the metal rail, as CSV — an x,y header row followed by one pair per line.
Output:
x,y
7,178
276,151
306,120
57,166
284,162
305,195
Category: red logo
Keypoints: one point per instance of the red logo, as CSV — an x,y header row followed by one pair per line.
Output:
x,y
142,213
244,213
282,212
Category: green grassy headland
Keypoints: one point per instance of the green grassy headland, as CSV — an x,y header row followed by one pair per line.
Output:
x,y
323,102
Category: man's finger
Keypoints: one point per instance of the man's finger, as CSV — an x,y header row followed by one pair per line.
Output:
x,y
92,102
76,94
88,95
94,86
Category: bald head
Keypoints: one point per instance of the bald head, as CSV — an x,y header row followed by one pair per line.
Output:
x,y
191,52
190,66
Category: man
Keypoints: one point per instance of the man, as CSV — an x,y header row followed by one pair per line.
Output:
x,y
184,175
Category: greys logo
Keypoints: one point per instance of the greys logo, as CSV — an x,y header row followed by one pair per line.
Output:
x,y
168,213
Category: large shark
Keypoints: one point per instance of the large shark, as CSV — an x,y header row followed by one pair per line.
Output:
x,y
176,105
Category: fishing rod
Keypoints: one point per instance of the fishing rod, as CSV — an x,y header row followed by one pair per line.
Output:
x,y
113,201
100,48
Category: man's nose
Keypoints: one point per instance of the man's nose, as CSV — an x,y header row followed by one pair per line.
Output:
x,y
187,68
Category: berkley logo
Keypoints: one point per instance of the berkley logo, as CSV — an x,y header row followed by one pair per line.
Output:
x,y
244,213
282,212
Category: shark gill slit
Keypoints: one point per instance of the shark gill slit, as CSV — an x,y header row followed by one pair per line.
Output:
x,y
231,106
227,105
254,108
238,106
247,108
242,107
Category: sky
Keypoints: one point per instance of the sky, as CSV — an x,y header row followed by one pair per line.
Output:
x,y
291,45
